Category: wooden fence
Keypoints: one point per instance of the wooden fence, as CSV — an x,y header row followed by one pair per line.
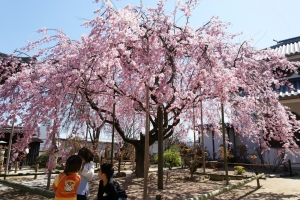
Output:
x,y
34,190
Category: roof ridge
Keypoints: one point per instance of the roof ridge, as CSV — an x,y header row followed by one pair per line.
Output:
x,y
286,42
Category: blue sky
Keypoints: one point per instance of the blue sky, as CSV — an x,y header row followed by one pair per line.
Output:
x,y
264,20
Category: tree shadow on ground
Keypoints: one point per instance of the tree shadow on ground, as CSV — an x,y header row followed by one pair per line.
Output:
x,y
180,187
15,194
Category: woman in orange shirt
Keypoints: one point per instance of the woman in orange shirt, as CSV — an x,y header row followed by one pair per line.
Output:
x,y
66,184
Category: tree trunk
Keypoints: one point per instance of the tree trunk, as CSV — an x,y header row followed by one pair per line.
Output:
x,y
139,159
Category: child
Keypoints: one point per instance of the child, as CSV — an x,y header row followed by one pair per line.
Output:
x,y
111,188
66,184
86,173
20,159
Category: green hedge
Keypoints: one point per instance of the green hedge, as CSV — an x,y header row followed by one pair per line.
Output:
x,y
171,157
42,159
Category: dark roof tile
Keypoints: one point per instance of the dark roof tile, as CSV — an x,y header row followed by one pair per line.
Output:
x,y
288,47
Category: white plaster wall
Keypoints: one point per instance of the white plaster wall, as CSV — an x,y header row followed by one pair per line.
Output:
x,y
153,149
42,134
208,143
270,156
244,140
295,160
239,140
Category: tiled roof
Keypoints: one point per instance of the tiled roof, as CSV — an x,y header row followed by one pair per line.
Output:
x,y
288,47
207,126
285,92
23,59
37,140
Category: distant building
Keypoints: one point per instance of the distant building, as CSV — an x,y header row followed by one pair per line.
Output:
x,y
104,144
34,145
291,49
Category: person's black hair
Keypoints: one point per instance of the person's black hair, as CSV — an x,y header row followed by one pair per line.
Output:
x,y
107,169
73,164
86,154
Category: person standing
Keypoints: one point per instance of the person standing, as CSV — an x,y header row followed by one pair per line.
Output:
x,y
21,157
5,157
66,184
86,173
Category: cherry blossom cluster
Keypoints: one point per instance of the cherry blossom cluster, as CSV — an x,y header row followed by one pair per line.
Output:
x,y
133,47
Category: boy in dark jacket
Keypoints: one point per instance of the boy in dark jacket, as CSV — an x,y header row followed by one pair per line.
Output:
x,y
111,188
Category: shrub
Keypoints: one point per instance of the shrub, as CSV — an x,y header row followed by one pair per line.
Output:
x,y
239,170
171,157
156,158
241,151
272,158
221,153
42,159
190,158
252,158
